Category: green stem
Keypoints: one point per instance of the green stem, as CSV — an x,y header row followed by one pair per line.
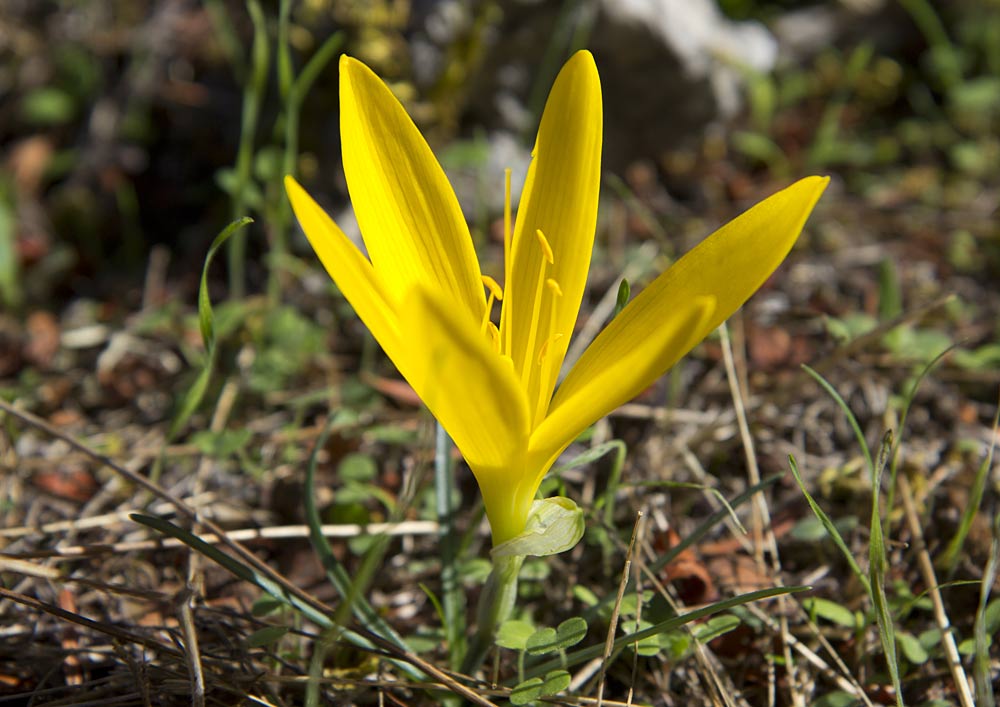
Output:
x,y
495,605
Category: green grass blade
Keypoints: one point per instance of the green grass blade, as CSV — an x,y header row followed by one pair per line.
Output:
x,y
253,96
591,652
335,572
453,600
239,569
982,670
314,67
953,552
831,529
877,565
851,419
206,320
206,317
709,523
206,323
697,534
10,289
907,404
272,588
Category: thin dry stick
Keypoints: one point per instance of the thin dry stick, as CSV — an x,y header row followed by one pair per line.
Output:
x,y
195,578
609,642
845,680
761,517
930,579
192,654
193,516
278,532
724,693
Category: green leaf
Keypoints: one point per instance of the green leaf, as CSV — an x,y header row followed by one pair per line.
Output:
x,y
531,690
582,655
570,632
48,106
357,467
265,605
266,636
548,640
837,698
911,648
831,611
542,641
716,626
220,445
622,298
992,617
554,525
648,646
10,290
514,634
675,643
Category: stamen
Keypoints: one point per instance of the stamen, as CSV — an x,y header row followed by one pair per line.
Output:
x,y
495,294
546,363
547,370
507,263
546,248
529,350
493,287
494,336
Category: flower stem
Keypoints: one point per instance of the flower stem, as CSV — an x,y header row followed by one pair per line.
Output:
x,y
495,605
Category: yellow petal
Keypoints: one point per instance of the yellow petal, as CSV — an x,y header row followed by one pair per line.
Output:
x,y
560,200
676,311
409,217
347,266
467,386
620,364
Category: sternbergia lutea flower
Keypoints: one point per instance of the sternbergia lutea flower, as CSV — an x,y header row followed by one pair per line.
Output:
x,y
485,359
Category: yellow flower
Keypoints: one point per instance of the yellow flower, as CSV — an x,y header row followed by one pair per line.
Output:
x,y
421,292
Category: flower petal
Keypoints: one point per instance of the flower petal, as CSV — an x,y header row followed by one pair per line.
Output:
x,y
467,386
409,217
560,200
347,266
677,311
620,364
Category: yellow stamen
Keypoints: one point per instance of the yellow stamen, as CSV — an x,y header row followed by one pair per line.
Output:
x,y
505,308
547,370
529,349
495,294
545,362
493,287
494,336
546,248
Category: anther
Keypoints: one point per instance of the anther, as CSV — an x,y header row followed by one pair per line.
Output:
x,y
495,291
546,248
495,294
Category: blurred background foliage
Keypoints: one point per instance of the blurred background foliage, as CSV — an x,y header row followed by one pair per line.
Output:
x,y
121,120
